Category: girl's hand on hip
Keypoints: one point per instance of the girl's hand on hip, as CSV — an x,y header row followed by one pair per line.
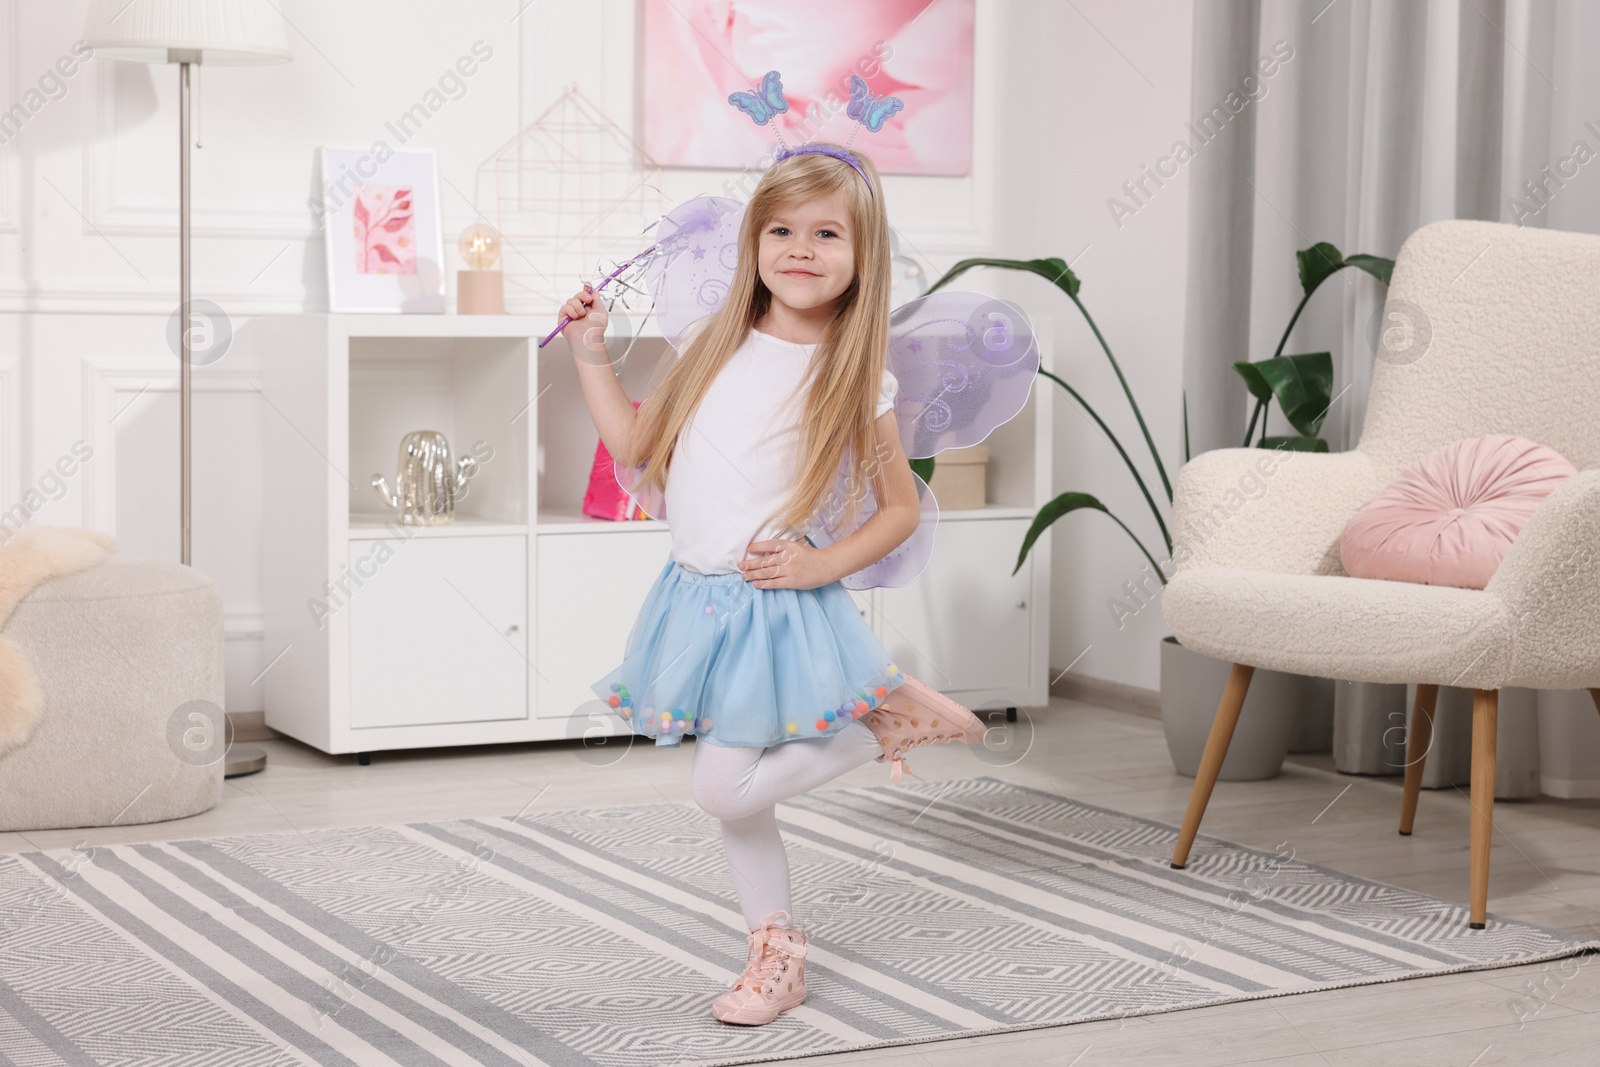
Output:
x,y
782,564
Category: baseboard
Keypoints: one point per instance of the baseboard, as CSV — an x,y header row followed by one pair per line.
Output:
x,y
1569,788
1136,700
251,726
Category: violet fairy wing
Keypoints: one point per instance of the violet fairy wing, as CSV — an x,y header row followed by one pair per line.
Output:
x,y
965,363
688,276
901,566
697,252
653,502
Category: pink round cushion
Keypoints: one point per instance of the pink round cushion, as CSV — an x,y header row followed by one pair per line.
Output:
x,y
1450,517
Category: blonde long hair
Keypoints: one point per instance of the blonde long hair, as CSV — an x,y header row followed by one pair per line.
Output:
x,y
846,368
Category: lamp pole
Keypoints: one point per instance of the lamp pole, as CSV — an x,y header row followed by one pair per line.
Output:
x,y
188,32
184,324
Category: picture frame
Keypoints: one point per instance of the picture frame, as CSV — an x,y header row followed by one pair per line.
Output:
x,y
382,229
920,52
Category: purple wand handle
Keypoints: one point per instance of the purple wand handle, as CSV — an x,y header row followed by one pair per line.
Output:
x,y
567,319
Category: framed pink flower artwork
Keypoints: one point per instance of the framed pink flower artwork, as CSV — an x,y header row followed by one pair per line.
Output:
x,y
696,53
380,220
385,230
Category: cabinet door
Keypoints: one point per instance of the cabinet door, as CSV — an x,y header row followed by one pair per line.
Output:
x,y
591,587
966,622
438,630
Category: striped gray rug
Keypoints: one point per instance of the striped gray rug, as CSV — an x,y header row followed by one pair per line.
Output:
x,y
600,937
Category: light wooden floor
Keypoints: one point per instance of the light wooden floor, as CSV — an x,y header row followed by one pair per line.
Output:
x,y
1546,869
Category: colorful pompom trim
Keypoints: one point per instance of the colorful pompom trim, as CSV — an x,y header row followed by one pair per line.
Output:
x,y
678,721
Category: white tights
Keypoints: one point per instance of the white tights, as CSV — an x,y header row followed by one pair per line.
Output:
x,y
740,786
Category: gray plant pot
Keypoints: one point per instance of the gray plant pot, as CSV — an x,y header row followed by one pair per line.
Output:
x,y
1276,706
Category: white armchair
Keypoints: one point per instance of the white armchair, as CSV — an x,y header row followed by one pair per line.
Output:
x,y
1489,329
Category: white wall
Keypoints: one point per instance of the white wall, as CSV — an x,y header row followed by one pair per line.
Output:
x,y
1098,90
1072,100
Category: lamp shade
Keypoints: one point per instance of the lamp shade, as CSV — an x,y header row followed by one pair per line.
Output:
x,y
212,32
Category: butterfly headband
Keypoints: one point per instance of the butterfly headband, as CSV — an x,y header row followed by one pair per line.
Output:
x,y
768,101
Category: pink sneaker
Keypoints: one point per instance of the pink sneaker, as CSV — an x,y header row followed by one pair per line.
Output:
x,y
914,715
774,978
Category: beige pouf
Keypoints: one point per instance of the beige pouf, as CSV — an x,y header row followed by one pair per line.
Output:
x,y
129,656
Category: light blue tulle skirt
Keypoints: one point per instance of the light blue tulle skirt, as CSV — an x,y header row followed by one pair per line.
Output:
x,y
712,656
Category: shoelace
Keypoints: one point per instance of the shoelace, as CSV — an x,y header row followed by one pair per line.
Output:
x,y
899,764
897,761
769,955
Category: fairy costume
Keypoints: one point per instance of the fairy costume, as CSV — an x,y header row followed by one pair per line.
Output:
x,y
712,655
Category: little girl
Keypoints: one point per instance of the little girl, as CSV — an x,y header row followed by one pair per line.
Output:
x,y
747,640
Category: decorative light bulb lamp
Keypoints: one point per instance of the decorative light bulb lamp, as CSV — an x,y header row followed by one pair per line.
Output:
x,y
217,33
480,290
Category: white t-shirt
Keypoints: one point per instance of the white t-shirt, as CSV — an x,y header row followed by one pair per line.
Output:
x,y
737,460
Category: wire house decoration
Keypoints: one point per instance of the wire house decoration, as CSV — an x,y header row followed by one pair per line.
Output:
x,y
574,194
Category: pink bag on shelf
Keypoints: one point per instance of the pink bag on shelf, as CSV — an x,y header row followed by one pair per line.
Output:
x,y
605,499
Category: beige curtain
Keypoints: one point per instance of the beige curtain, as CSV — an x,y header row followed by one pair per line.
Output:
x,y
1387,115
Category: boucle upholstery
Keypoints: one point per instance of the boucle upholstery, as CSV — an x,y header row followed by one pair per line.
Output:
x,y
1505,338
1368,629
1550,582
119,650
1515,344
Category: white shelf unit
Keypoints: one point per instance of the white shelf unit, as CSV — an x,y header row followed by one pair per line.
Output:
x,y
491,628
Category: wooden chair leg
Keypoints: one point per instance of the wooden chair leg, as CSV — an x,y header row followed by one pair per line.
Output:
x,y
1485,716
1233,695
1418,737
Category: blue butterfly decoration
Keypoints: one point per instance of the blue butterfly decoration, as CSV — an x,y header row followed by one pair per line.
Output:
x,y
765,102
871,111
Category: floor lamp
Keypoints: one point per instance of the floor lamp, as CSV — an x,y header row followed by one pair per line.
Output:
x,y
186,32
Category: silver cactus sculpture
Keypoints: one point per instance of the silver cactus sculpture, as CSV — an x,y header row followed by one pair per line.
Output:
x,y
426,480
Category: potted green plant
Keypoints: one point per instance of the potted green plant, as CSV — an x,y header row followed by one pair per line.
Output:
x,y
1302,384
1191,684
1059,274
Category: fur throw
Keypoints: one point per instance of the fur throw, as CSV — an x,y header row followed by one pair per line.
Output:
x,y
35,554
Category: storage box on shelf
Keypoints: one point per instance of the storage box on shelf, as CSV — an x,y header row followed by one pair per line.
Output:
x,y
960,478
490,629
